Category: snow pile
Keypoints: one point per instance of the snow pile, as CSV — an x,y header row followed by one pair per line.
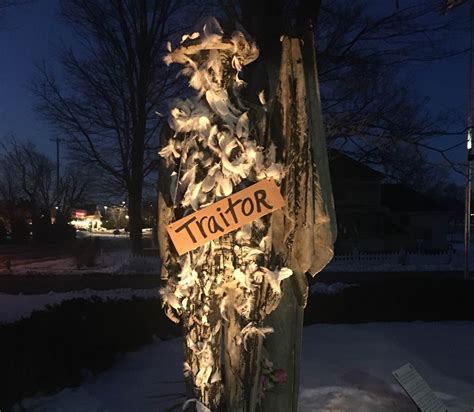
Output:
x,y
343,368
138,265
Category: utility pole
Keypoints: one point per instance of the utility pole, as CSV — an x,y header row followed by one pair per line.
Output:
x,y
57,140
467,217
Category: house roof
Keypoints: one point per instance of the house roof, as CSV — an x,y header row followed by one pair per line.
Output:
x,y
343,166
400,198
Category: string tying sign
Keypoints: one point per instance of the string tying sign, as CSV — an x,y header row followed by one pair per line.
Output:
x,y
226,215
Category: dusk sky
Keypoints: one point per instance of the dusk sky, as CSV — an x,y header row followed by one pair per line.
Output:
x,y
34,32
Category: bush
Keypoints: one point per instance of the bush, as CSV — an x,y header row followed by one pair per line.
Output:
x,y
52,349
3,232
42,230
86,251
395,300
46,233
20,231
63,232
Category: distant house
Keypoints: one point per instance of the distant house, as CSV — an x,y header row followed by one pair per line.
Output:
x,y
359,212
415,221
374,216
87,219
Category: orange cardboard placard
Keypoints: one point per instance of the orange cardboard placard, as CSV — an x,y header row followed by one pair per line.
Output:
x,y
226,215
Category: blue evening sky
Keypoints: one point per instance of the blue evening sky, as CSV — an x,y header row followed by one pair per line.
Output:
x,y
34,33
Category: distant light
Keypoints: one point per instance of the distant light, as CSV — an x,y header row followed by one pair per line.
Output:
x,y
80,214
105,207
126,217
469,139
56,207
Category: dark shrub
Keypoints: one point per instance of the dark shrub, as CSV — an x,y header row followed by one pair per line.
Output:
x,y
42,230
3,232
395,300
20,231
86,251
53,349
63,232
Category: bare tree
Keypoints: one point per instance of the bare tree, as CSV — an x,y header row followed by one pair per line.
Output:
x,y
27,177
76,187
370,110
116,83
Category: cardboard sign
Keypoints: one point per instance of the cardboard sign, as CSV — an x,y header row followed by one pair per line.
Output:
x,y
225,215
418,390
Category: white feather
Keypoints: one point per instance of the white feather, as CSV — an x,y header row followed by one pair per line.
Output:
x,y
208,184
169,151
227,143
173,183
244,234
252,329
218,101
188,177
242,127
204,126
169,298
274,277
274,171
223,186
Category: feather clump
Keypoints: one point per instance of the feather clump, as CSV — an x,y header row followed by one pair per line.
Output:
x,y
212,154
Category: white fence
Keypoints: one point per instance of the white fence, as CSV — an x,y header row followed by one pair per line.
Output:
x,y
367,261
401,258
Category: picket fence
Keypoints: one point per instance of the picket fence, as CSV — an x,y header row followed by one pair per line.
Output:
x,y
400,258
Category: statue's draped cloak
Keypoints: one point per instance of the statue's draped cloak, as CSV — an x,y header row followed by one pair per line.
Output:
x,y
304,230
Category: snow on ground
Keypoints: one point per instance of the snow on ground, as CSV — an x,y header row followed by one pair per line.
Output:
x,y
16,307
344,368
117,262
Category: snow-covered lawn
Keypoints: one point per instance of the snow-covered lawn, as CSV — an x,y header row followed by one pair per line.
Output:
x,y
344,368
16,307
118,262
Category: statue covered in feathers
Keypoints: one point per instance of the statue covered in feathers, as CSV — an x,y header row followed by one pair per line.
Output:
x,y
223,291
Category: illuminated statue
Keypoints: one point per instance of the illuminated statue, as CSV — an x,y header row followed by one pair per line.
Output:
x,y
219,144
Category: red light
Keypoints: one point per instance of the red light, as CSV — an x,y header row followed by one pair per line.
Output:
x,y
80,214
